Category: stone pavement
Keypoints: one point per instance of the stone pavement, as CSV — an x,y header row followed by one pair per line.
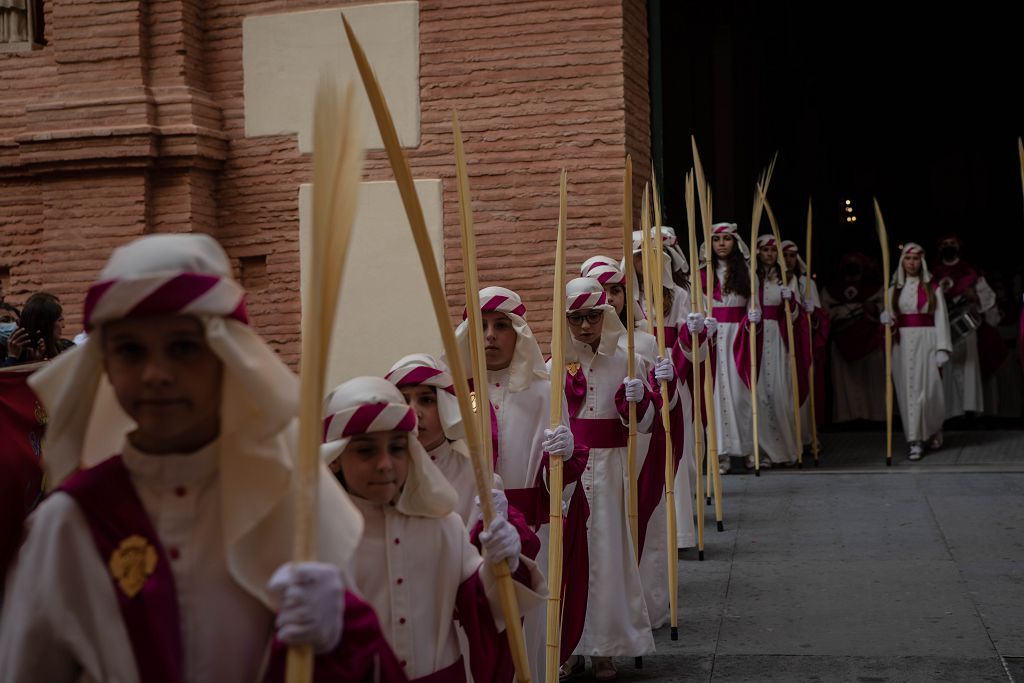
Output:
x,y
858,572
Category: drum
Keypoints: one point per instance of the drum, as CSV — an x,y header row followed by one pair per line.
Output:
x,y
964,319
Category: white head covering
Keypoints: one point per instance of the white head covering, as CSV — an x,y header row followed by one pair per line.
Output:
x,y
911,248
669,260
730,229
423,369
527,360
595,261
372,404
189,274
790,245
584,293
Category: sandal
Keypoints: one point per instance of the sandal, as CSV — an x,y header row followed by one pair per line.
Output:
x,y
574,667
604,669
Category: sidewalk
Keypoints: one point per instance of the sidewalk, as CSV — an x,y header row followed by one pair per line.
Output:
x,y
909,573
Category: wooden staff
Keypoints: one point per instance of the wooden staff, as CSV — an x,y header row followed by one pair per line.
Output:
x,y
337,171
709,393
696,304
414,212
646,262
793,374
883,239
627,255
815,449
657,284
555,464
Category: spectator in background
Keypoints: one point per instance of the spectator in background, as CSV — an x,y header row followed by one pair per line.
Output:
x,y
9,318
39,335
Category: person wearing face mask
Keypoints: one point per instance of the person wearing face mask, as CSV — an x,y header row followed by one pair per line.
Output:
x,y
972,312
857,358
921,349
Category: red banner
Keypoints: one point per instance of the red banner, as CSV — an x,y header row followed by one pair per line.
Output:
x,y
22,423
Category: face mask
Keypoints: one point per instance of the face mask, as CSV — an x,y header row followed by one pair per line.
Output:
x,y
6,329
949,253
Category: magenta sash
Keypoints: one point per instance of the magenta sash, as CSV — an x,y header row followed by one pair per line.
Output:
x,y
671,335
729,314
114,512
606,433
916,320
772,313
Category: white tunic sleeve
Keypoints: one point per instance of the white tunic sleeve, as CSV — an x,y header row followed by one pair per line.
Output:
x,y
943,341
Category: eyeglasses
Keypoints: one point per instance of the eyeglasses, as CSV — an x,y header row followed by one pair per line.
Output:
x,y
576,318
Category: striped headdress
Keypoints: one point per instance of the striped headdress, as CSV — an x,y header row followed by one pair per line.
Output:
x,y
422,369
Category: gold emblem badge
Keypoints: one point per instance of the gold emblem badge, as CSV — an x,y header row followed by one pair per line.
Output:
x,y
572,368
472,401
40,414
132,563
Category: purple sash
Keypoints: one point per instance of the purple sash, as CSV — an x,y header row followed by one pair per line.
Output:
x,y
114,512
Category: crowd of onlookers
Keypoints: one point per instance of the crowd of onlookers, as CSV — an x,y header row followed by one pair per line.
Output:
x,y
34,333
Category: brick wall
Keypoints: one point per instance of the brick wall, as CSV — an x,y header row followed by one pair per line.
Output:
x,y
131,120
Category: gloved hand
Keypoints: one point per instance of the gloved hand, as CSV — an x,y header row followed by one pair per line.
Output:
x,y
500,541
664,371
886,319
809,306
559,442
787,293
634,390
694,322
310,596
498,500
941,357
754,315
711,326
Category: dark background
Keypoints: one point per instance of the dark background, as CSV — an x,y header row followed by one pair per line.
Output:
x,y
921,111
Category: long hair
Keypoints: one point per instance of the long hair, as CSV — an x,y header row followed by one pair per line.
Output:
x,y
737,279
768,273
38,317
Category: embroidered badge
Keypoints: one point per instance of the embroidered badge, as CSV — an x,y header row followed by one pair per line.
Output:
x,y
472,401
132,563
572,368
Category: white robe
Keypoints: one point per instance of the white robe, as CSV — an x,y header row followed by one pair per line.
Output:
x,y
61,620
915,373
776,428
457,468
856,385
733,413
522,418
410,569
617,622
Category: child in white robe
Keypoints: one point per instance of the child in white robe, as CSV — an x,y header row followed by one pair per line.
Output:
x,y
158,564
922,347
415,563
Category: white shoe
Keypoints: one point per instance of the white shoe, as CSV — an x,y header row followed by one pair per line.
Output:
x,y
766,464
935,443
724,466
916,450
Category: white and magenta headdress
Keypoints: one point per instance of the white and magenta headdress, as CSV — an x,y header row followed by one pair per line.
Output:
x,y
731,229
527,361
585,293
900,277
372,404
423,369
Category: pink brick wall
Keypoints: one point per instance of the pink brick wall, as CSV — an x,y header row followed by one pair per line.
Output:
x,y
131,121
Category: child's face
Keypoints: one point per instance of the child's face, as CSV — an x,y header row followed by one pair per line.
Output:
x,y
167,379
423,399
616,297
790,259
768,254
374,466
499,340
912,264
723,245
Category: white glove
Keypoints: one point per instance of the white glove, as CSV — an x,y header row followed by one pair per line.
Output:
x,y
941,357
809,306
634,390
787,293
754,315
559,442
664,371
886,319
694,322
310,595
498,500
710,326
501,542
